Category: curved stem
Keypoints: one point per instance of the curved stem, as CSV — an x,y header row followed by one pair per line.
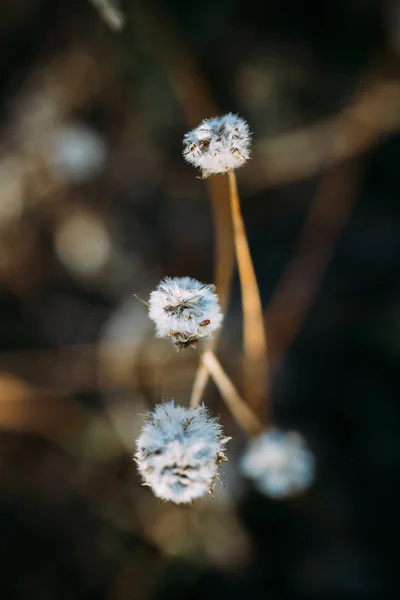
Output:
x,y
223,268
254,339
240,411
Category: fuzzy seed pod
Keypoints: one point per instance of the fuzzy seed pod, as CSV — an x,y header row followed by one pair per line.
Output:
x,y
184,310
218,145
179,452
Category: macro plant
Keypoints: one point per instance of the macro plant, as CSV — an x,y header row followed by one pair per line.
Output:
x,y
221,145
180,449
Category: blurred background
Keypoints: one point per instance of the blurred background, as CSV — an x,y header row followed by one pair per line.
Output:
x,y
97,204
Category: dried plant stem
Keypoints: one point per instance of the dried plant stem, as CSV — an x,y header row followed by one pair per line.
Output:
x,y
201,380
224,261
224,264
254,339
240,411
142,301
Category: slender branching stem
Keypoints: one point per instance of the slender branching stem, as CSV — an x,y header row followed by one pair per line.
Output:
x,y
240,411
224,266
254,339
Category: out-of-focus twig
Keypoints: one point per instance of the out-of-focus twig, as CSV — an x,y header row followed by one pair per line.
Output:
x,y
187,83
110,13
53,416
326,219
76,369
374,112
84,435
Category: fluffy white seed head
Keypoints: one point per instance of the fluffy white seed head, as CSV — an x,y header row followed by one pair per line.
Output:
x,y
185,310
279,463
218,145
179,452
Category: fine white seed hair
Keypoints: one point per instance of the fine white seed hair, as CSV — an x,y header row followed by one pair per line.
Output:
x,y
185,310
279,464
179,452
218,145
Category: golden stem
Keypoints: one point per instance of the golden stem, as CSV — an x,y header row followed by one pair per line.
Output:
x,y
200,380
240,411
223,268
254,339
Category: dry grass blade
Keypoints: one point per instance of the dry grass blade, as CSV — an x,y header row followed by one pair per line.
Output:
x,y
254,339
240,411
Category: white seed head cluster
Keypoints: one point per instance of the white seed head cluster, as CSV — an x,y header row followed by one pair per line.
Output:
x,y
218,145
185,310
279,463
179,452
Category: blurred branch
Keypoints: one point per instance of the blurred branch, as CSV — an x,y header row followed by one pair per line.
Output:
x,y
187,83
84,435
74,369
327,217
374,112
55,417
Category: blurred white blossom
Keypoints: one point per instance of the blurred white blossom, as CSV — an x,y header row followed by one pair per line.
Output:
x,y
76,152
83,243
185,310
218,145
279,463
11,189
179,452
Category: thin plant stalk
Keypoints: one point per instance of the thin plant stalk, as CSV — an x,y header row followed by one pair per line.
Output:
x,y
254,338
223,269
240,411
195,98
